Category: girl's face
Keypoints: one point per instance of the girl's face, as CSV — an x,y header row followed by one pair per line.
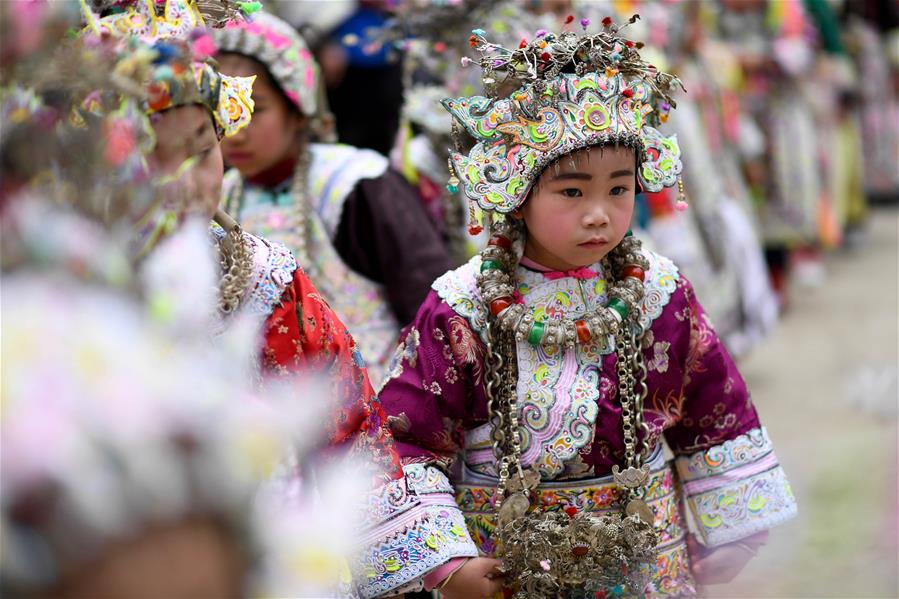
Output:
x,y
576,217
273,134
187,133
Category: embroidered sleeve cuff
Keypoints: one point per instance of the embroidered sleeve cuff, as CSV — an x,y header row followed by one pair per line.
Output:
x,y
736,489
415,526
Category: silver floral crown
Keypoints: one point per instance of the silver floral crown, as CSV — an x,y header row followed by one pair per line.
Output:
x,y
573,92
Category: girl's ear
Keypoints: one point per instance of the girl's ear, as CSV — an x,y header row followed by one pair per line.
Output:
x,y
301,129
517,214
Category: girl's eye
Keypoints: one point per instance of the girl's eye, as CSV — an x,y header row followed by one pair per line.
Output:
x,y
618,190
572,192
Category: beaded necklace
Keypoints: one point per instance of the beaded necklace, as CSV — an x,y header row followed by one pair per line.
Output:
x,y
496,285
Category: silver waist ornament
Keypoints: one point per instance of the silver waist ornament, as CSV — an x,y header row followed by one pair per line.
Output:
x,y
549,554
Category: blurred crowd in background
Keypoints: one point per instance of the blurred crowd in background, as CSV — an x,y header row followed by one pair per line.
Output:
x,y
790,120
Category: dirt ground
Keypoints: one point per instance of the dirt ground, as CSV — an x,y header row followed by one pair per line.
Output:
x,y
825,384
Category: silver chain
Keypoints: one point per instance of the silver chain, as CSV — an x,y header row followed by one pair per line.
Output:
x,y
641,394
631,392
502,401
495,412
502,406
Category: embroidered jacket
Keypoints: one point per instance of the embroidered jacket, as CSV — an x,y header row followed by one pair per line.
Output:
x,y
569,413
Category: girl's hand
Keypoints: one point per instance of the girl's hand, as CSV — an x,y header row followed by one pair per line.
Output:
x,y
720,564
479,578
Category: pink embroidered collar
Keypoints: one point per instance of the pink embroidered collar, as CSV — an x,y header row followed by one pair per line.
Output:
x,y
582,273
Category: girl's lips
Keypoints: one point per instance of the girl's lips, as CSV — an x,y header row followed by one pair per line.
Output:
x,y
594,243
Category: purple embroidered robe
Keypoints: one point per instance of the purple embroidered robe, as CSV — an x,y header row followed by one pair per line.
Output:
x,y
570,416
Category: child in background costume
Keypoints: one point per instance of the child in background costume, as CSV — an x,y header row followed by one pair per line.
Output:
x,y
133,441
356,227
189,102
546,373
301,333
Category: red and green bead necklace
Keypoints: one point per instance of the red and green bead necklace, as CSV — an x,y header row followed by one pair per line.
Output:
x,y
496,285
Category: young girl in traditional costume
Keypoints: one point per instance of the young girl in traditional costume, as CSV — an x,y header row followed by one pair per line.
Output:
x,y
543,377
354,224
188,101
191,106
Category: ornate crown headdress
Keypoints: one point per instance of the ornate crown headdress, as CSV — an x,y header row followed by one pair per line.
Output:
x,y
180,74
573,92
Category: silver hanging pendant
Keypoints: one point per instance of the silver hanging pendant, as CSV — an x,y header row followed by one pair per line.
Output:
x,y
641,509
632,478
514,506
531,481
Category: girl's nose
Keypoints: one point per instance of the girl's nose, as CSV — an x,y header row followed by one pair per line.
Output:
x,y
596,216
237,139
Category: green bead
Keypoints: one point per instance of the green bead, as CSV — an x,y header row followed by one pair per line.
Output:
x,y
452,188
536,333
629,233
249,8
490,265
619,306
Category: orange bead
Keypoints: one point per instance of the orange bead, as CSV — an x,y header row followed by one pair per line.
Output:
x,y
583,332
633,271
500,304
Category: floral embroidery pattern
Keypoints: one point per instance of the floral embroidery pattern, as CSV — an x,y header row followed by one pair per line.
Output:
x,y
737,488
658,361
417,536
743,508
466,347
702,337
744,449
400,424
406,351
669,408
443,446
